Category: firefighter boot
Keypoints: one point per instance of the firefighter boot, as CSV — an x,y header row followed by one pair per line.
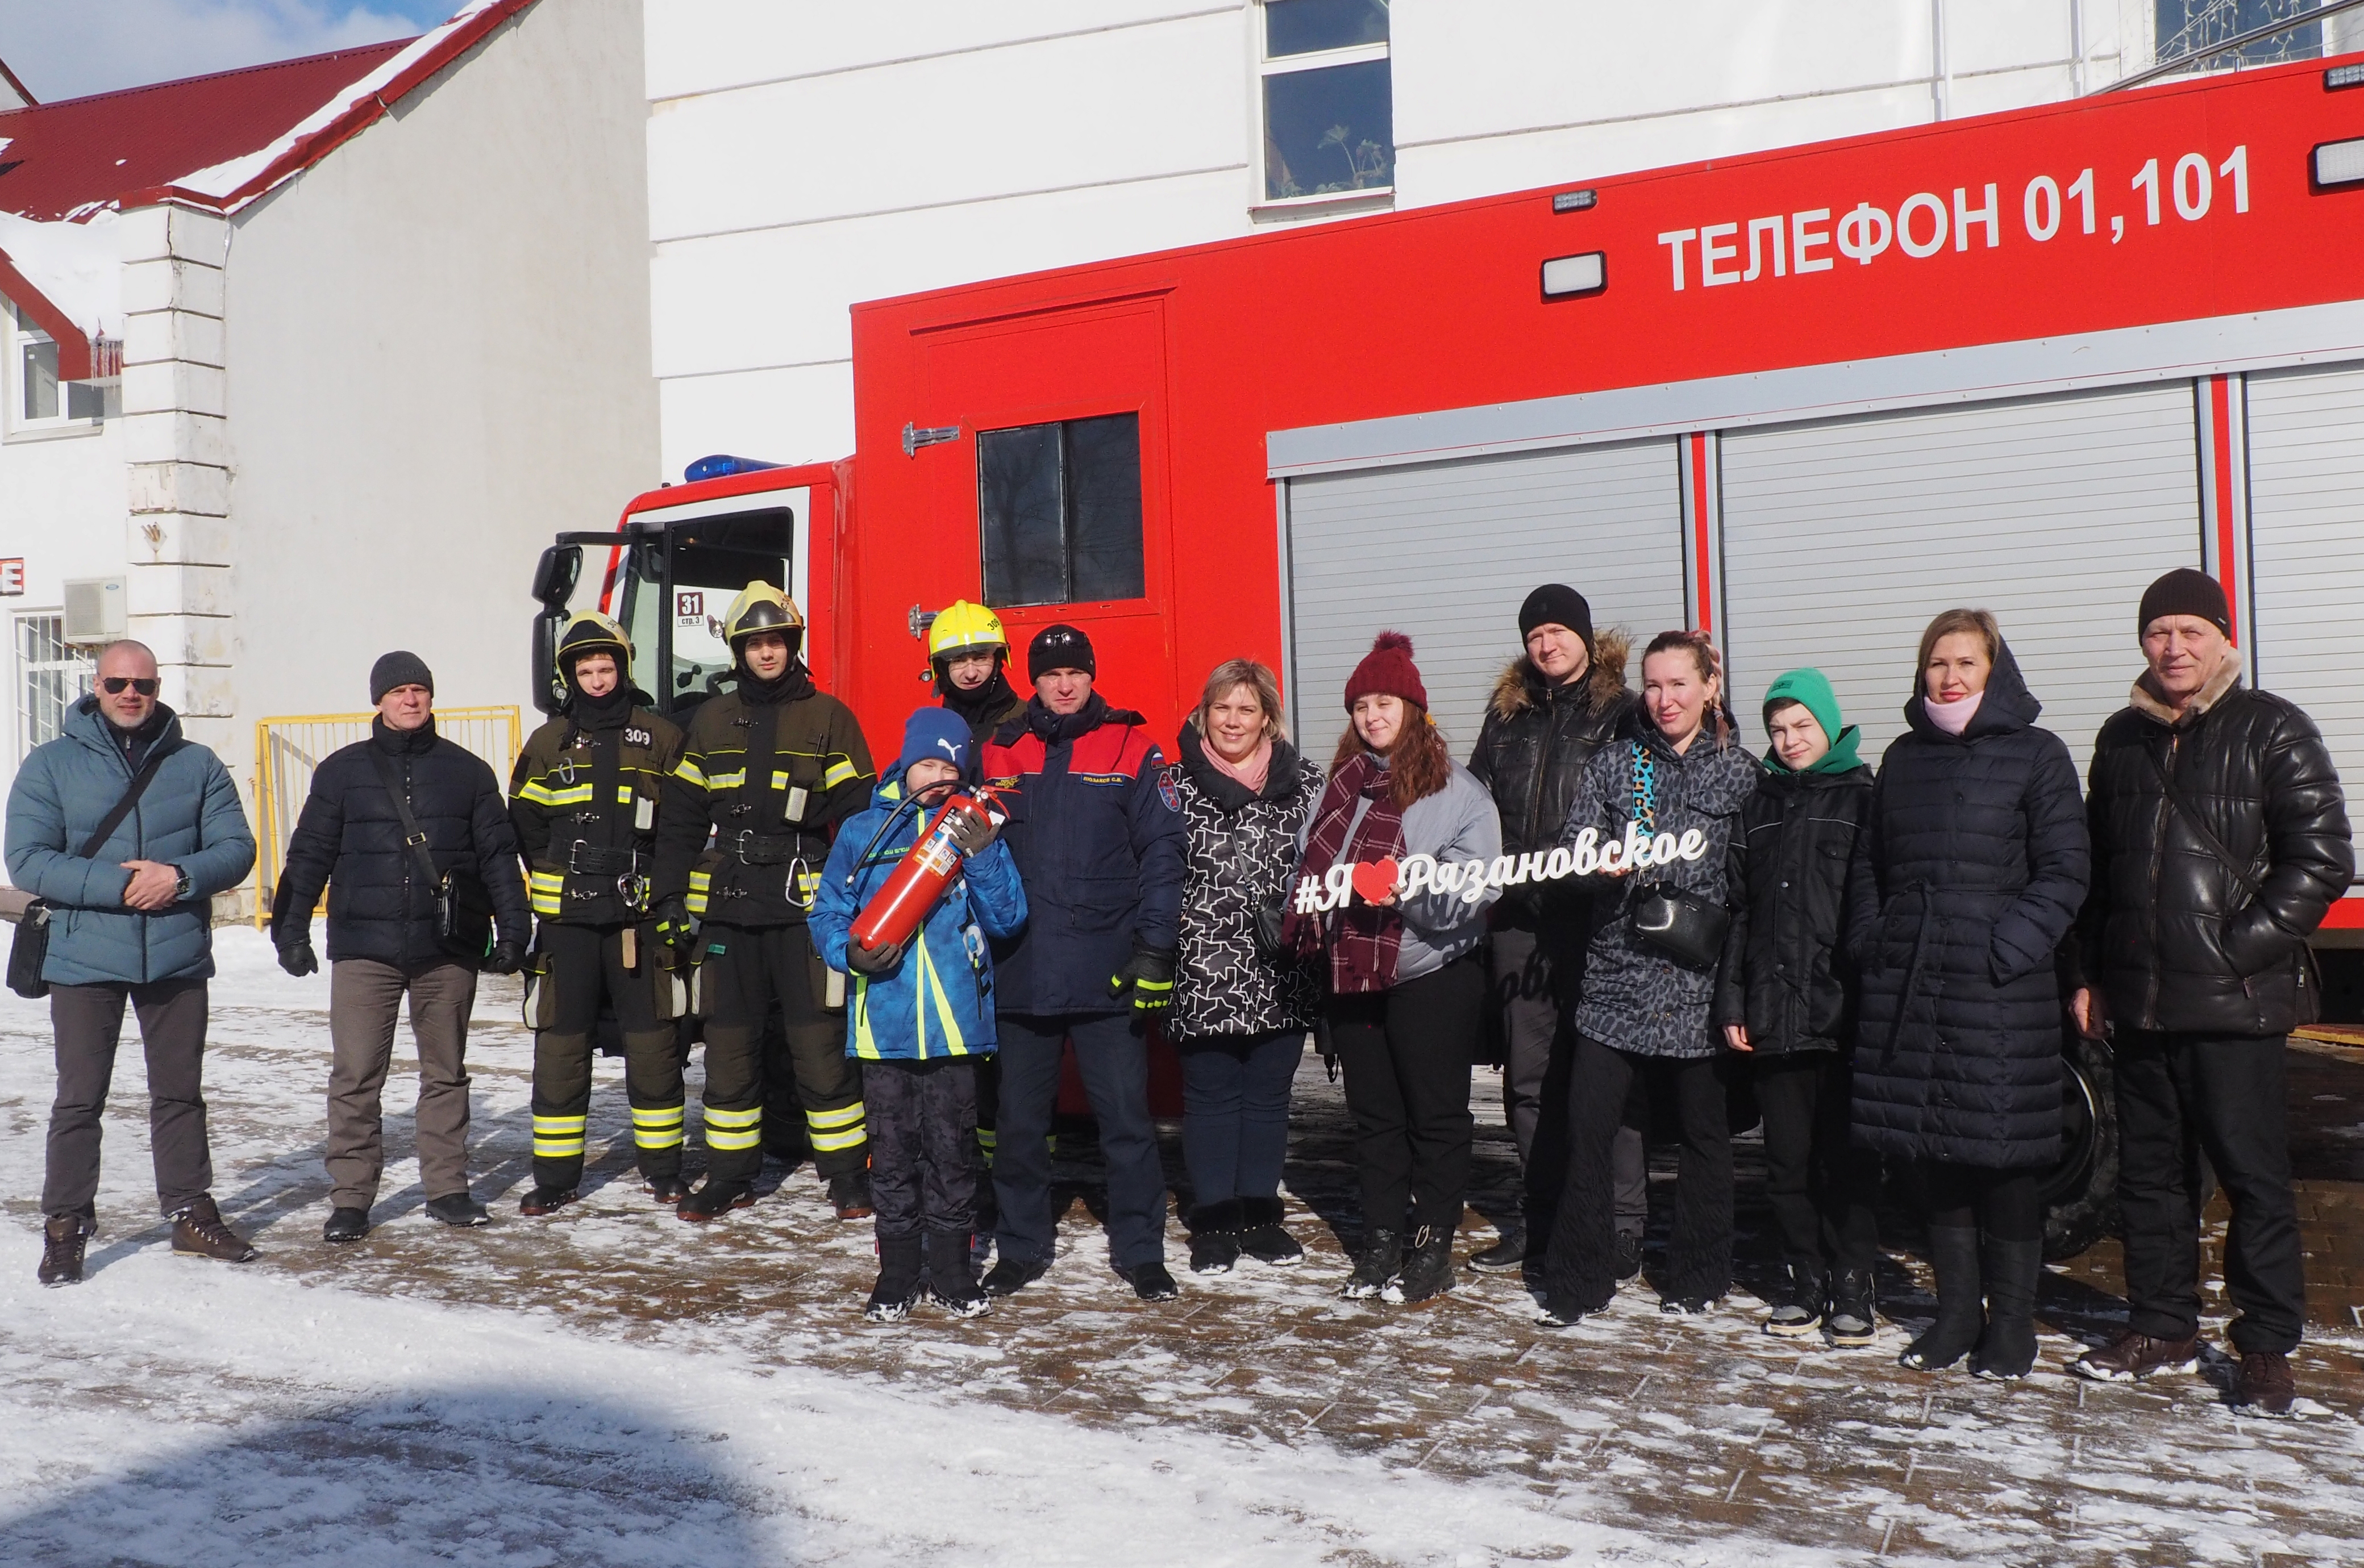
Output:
x,y
715,1197
849,1192
901,1279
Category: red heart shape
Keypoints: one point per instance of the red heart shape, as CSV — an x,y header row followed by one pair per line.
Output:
x,y
1374,879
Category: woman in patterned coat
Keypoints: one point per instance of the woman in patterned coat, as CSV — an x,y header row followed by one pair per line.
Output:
x,y
1240,1013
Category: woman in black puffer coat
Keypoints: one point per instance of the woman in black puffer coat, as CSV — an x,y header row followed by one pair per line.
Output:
x,y
1973,862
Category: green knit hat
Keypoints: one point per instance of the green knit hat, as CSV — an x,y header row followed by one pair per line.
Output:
x,y
1812,690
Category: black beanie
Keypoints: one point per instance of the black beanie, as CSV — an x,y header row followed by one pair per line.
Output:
x,y
2184,592
1556,604
1061,646
399,669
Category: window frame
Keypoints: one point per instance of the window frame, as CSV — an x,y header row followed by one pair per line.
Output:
x,y
1263,67
1067,511
16,336
73,657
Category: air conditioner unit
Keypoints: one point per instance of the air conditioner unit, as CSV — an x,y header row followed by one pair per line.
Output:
x,y
93,610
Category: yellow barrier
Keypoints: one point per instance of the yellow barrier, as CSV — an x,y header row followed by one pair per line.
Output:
x,y
287,749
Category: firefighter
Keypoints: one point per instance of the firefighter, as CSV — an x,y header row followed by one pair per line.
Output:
x,y
771,767
583,798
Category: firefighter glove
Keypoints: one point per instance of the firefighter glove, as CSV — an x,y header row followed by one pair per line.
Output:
x,y
674,929
296,956
870,961
508,956
971,830
1147,976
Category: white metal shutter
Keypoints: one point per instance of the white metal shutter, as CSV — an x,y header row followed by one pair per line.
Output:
x,y
2306,540
1842,539
1446,553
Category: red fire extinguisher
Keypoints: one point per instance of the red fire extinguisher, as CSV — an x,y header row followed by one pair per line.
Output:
x,y
915,886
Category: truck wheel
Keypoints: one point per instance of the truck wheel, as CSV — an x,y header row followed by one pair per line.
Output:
x,y
2081,1194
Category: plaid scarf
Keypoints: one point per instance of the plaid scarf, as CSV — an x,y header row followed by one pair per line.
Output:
x,y
1361,938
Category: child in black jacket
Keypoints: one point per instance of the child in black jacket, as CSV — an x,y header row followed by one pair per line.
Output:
x,y
1786,996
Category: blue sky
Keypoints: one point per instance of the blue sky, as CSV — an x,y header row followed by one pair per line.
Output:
x,y
67,49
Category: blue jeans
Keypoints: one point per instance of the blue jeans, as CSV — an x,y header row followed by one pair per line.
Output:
x,y
1113,1057
1235,1112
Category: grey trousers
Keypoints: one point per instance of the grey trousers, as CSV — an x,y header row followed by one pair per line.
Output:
x,y
1537,975
364,999
88,1023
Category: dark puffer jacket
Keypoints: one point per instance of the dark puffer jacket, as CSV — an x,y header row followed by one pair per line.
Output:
x,y
2175,939
1972,864
1242,846
348,839
1530,754
1786,973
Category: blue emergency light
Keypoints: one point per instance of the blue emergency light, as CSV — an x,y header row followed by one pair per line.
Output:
x,y
722,465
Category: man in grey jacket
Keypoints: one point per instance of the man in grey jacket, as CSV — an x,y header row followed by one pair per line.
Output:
x,y
129,920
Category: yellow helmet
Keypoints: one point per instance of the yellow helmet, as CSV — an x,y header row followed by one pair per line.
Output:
x,y
964,628
588,632
761,608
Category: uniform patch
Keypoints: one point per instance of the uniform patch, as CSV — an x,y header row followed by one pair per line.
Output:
x,y
1166,790
636,737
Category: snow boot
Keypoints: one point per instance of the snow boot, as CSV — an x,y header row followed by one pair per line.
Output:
x,y
1380,1261
1009,1276
346,1225
63,1239
458,1209
1961,1313
849,1193
1796,1302
899,1283
1150,1281
546,1200
1427,1273
1264,1237
1508,1253
950,1280
713,1199
1215,1237
2007,1349
668,1191
2266,1382
198,1232
1851,1323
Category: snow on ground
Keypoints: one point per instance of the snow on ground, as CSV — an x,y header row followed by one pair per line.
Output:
x,y
612,1386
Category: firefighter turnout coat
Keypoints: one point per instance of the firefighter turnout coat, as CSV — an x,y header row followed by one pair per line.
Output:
x,y
583,798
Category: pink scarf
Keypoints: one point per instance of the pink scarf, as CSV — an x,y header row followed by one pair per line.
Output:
x,y
1953,717
1250,773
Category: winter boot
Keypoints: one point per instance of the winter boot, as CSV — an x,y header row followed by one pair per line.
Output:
x,y
1009,1276
1796,1302
2132,1356
1507,1254
1264,1237
668,1191
900,1271
849,1193
2007,1349
1427,1273
1150,1281
1851,1323
713,1199
546,1200
950,1280
1380,1261
198,1232
458,1209
63,1238
1215,1237
346,1225
1961,1313
2266,1382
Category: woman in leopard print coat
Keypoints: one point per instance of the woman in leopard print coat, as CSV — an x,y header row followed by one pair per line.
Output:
x,y
1240,1015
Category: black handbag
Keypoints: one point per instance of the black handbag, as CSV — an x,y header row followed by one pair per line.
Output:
x,y
29,950
1673,920
463,910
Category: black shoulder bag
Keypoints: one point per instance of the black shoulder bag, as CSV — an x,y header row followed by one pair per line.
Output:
x,y
1674,920
463,910
30,948
2310,985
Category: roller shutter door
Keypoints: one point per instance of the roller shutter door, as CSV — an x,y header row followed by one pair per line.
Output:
x,y
1843,538
1445,552
2306,536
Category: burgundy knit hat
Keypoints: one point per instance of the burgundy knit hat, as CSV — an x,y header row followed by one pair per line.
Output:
x,y
1387,670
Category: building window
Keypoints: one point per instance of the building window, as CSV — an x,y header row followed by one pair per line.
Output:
x,y
2195,30
41,398
51,677
1060,508
1329,107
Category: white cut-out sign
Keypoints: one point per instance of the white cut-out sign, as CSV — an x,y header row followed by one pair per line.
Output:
x,y
1376,881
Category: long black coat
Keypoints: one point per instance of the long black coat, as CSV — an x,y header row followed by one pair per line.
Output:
x,y
1786,973
1972,865
2175,939
349,839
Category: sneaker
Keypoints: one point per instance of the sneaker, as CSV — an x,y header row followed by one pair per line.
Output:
x,y
1265,1238
198,1232
668,1191
346,1225
1852,1323
1150,1282
1507,1255
2131,1357
849,1193
458,1209
63,1239
546,1200
2266,1382
1009,1276
1380,1262
1629,1255
713,1199
1427,1272
1796,1302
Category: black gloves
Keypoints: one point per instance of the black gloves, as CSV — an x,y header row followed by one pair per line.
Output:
x,y
870,961
508,957
674,929
971,830
297,958
1147,975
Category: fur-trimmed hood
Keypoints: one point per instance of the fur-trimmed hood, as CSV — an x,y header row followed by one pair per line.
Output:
x,y
1514,693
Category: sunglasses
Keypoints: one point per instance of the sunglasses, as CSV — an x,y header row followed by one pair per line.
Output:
x,y
144,685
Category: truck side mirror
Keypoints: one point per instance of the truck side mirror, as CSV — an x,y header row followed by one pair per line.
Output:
x,y
549,690
556,574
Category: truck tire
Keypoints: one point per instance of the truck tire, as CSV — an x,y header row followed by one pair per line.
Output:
x,y
2081,1192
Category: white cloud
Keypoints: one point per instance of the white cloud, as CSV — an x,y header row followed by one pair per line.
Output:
x,y
66,49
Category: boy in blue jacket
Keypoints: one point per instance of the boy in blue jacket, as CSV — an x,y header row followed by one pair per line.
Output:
x,y
920,1014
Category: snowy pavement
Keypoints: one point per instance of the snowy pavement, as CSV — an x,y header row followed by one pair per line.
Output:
x,y
612,1386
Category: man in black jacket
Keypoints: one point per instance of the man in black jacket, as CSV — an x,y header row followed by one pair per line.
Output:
x,y
2220,839
1553,707
384,938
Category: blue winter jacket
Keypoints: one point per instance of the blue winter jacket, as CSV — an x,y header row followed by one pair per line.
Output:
x,y
189,817
939,1000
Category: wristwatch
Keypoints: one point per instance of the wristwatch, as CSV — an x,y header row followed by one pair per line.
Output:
x,y
181,888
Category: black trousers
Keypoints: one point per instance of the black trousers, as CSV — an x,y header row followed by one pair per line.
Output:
x,y
88,1023
1112,1057
742,974
1406,1054
1537,978
582,964
922,1118
1582,1268
1235,1112
1820,1188
2222,1094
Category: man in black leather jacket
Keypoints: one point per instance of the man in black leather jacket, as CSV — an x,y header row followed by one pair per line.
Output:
x,y
1554,705
2192,944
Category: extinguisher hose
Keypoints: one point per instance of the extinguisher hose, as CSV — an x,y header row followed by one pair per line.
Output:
x,y
883,829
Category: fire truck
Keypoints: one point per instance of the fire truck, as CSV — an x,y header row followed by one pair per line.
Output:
x,y
1800,399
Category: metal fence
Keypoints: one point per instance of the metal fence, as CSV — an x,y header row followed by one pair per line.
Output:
x,y
287,749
